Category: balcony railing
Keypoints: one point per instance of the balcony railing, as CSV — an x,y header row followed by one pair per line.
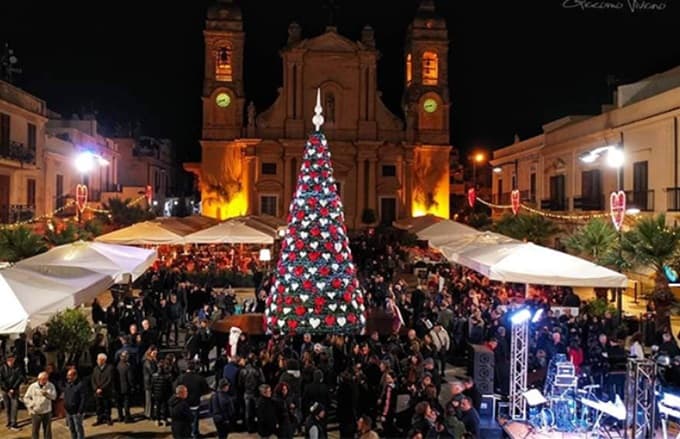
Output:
x,y
643,200
19,152
14,213
112,187
506,198
673,199
592,202
560,204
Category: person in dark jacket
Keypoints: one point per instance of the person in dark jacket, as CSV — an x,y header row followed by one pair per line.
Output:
x,y
267,422
317,391
197,386
182,418
11,378
348,403
222,409
161,391
149,367
470,417
74,404
286,408
473,392
315,424
102,386
126,384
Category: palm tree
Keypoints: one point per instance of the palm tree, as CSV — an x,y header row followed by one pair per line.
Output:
x,y
535,228
20,243
652,243
596,241
122,213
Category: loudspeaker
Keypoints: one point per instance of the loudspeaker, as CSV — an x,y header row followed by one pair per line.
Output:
x,y
482,368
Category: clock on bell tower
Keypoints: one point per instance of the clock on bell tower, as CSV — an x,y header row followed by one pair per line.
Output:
x,y
223,94
426,98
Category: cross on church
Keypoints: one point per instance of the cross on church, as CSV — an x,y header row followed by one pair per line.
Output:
x,y
332,7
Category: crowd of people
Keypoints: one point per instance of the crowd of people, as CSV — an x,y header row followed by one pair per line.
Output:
x,y
157,350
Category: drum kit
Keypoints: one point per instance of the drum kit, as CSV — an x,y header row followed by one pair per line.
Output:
x,y
564,407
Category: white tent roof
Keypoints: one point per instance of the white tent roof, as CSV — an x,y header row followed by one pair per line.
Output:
x,y
27,296
230,231
529,263
144,233
446,230
417,223
116,261
460,243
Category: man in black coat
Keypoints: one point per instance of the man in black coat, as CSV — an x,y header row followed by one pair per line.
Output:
x,y
181,415
196,386
74,404
470,417
11,378
126,385
267,422
102,386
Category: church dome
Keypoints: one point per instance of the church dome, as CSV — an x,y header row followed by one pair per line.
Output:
x,y
427,18
224,10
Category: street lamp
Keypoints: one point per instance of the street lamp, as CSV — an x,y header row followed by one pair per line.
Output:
x,y
615,159
478,157
85,162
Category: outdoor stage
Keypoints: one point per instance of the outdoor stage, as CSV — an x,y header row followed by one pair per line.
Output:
x,y
518,430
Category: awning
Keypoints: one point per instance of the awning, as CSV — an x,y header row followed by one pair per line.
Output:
x,y
230,232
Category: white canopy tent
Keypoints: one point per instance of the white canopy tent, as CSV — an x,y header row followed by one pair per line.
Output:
x,y
417,223
144,233
116,261
458,244
230,232
27,296
528,263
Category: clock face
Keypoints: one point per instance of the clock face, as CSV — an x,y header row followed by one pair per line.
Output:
x,y
223,100
430,105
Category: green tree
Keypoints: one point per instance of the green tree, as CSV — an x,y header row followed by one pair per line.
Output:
x,y
652,243
68,234
69,333
597,241
123,214
534,228
20,243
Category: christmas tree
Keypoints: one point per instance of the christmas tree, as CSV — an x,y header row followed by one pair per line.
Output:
x,y
315,287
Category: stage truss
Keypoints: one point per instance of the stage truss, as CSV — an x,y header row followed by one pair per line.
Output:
x,y
519,357
640,399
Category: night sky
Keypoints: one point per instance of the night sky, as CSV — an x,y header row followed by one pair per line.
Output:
x,y
514,65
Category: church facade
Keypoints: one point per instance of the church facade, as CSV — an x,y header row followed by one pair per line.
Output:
x,y
395,167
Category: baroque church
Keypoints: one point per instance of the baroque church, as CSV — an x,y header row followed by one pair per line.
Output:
x,y
395,166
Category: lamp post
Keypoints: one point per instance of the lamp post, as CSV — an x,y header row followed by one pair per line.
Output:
x,y
85,162
478,157
615,159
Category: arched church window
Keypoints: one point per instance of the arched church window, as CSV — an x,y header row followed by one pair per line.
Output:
x,y
329,108
430,68
223,67
409,69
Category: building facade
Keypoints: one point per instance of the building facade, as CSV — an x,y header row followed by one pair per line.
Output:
x,y
22,140
395,167
550,172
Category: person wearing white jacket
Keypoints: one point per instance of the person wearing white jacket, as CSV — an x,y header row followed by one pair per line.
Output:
x,y
441,341
38,400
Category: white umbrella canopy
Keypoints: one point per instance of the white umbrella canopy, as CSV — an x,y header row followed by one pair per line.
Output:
x,y
28,296
460,243
446,230
230,232
417,223
117,261
533,264
144,233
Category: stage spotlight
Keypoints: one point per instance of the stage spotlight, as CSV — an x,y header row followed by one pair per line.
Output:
x,y
521,316
537,315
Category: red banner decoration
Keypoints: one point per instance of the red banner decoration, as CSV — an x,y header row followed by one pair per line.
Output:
x,y
471,197
148,194
514,201
617,206
81,197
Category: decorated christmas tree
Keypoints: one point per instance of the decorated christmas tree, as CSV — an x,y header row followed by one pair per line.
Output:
x,y
315,287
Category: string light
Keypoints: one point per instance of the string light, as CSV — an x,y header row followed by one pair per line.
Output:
x,y
546,214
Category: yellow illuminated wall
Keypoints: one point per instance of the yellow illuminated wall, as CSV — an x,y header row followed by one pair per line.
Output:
x,y
430,181
224,182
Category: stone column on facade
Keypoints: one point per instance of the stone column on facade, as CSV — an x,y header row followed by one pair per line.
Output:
x,y
360,203
408,186
299,94
370,94
287,189
289,89
371,183
572,182
253,207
